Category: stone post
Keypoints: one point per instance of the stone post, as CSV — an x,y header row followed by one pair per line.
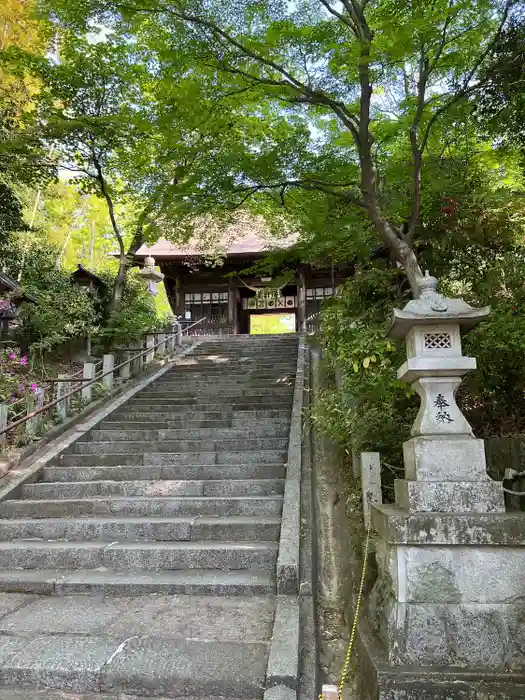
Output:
x,y
150,344
108,362
450,560
170,344
62,389
136,365
125,372
177,329
370,482
161,339
88,372
3,423
33,424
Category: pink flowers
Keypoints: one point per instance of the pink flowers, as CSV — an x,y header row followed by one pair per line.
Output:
x,y
34,387
12,356
23,360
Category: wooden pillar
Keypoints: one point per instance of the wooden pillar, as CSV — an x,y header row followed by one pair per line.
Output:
x,y
301,302
179,295
232,305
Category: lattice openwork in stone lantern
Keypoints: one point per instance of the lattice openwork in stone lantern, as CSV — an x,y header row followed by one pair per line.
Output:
x,y
434,341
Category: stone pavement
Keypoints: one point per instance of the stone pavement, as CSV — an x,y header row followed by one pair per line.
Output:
x,y
143,563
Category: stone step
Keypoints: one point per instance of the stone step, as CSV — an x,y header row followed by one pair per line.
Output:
x,y
62,582
176,383
151,473
202,403
233,529
238,370
188,376
189,417
176,378
151,666
241,361
146,405
258,457
182,416
32,694
153,489
270,430
143,506
138,556
177,446
186,424
222,392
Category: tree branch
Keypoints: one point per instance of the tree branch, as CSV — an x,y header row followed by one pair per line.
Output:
x,y
310,184
467,89
339,16
417,153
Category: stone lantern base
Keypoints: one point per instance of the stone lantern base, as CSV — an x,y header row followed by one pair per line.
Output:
x,y
451,588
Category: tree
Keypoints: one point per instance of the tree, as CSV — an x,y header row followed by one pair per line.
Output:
x,y
501,103
10,214
145,144
364,76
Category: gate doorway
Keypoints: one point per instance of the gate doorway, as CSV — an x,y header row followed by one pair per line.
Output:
x,y
265,323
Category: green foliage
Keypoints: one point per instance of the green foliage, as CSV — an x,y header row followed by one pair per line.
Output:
x,y
63,312
367,408
134,318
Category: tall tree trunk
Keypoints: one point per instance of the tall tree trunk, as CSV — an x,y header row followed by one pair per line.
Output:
x,y
120,280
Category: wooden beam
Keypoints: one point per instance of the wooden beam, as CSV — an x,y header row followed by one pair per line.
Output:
x,y
233,295
179,296
301,301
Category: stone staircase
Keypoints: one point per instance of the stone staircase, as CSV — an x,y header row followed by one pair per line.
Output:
x,y
144,560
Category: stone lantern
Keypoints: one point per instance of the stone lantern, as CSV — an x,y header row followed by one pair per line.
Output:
x,y
450,560
443,451
150,275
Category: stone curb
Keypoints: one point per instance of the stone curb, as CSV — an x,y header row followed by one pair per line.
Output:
x,y
29,469
283,661
279,692
309,653
289,542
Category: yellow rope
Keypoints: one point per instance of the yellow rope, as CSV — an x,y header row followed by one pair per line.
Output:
x,y
346,667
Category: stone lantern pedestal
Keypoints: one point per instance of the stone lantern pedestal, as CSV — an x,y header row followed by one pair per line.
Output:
x,y
451,563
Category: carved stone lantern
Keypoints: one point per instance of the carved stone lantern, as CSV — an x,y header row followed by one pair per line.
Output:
x,y
443,450
150,275
449,587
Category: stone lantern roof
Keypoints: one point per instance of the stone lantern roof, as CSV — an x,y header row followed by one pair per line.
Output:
x,y
432,307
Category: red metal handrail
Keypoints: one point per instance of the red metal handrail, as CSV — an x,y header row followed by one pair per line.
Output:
x,y
95,379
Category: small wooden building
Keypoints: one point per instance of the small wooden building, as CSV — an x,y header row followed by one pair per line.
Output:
x,y
11,299
198,286
85,278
